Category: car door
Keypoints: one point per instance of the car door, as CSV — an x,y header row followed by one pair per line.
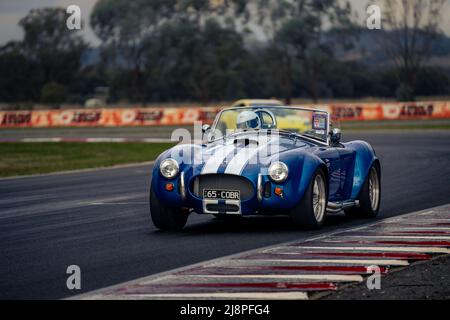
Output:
x,y
347,168
332,159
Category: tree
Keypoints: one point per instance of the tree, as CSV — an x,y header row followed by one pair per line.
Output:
x,y
53,93
51,46
130,32
16,76
298,28
201,62
123,26
414,25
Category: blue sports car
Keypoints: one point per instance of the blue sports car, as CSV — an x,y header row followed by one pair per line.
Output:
x,y
266,160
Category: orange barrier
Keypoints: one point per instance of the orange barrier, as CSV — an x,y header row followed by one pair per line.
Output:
x,y
391,111
185,116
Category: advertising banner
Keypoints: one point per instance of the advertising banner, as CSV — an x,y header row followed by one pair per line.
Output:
x,y
110,117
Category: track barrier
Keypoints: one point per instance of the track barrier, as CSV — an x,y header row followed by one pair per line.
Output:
x,y
176,116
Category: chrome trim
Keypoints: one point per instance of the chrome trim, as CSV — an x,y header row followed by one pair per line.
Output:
x,y
177,165
212,201
374,189
182,187
285,167
260,188
319,198
336,207
328,129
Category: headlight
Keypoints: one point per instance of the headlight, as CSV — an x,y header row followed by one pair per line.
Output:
x,y
278,171
169,168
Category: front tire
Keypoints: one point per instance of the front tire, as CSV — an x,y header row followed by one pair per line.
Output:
x,y
166,218
310,212
369,196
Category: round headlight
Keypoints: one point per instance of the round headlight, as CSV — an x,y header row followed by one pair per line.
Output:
x,y
278,171
169,168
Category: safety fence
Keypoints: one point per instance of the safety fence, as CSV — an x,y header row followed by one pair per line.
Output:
x,y
155,116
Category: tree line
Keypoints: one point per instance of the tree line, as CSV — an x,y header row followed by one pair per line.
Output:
x,y
219,50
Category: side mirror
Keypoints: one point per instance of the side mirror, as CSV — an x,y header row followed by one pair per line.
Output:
x,y
335,136
206,128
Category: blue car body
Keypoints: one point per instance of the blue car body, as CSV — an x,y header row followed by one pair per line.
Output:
x,y
346,166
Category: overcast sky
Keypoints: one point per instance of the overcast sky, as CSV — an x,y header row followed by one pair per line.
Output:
x,y
11,11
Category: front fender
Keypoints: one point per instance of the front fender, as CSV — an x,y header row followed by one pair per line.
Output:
x,y
364,159
310,165
185,155
302,166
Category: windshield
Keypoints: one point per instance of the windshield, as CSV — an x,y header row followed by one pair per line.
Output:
x,y
307,122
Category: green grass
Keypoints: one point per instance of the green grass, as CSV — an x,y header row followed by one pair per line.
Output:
x,y
405,125
33,158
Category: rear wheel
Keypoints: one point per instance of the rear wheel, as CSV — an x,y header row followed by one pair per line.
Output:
x,y
166,218
311,210
369,196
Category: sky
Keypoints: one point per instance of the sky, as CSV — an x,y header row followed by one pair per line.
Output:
x,y
11,11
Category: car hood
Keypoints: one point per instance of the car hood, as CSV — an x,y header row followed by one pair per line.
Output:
x,y
236,154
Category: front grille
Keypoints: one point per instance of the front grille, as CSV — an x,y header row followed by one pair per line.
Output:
x,y
222,182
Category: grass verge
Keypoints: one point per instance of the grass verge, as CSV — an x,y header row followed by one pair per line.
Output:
x,y
405,125
32,158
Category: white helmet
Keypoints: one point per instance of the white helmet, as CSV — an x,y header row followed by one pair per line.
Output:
x,y
248,120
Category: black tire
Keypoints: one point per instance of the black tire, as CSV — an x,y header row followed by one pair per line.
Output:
x,y
365,209
303,213
166,218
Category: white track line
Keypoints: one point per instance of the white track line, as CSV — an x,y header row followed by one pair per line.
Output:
x,y
369,262
428,220
413,226
390,227
406,228
426,213
321,277
41,139
401,237
390,224
294,295
384,249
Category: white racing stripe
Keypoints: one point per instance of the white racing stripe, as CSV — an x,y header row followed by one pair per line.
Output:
x,y
219,154
238,163
293,295
369,262
384,249
321,277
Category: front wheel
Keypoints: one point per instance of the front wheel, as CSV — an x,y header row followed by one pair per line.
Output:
x,y
311,210
166,218
369,196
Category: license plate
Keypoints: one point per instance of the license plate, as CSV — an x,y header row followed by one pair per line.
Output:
x,y
221,194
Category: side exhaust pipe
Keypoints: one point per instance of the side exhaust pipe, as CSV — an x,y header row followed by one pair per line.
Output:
x,y
336,207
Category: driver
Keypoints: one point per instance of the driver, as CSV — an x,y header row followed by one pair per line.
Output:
x,y
248,120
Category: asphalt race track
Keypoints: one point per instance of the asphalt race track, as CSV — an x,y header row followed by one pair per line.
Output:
x,y
100,220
